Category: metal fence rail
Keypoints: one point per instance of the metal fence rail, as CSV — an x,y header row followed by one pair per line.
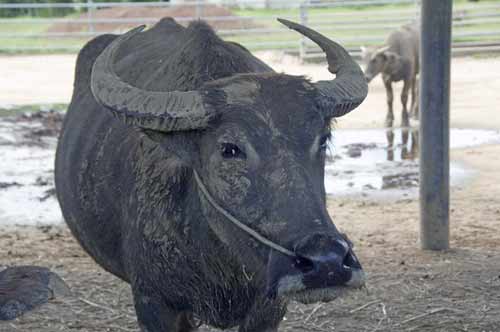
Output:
x,y
476,27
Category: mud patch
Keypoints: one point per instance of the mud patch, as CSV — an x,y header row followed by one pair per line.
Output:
x,y
5,185
33,128
400,181
384,163
27,149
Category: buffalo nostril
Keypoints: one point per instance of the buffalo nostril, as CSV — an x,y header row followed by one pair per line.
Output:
x,y
303,264
350,261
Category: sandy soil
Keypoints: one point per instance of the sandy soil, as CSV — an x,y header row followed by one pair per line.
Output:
x,y
408,289
36,79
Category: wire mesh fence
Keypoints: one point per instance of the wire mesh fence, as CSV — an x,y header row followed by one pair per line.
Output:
x,y
66,26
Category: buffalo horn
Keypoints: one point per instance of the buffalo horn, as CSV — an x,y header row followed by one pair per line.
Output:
x,y
155,110
349,88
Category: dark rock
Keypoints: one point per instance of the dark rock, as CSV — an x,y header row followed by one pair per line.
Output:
x,y
23,288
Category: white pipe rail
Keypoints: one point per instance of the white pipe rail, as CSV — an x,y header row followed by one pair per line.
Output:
x,y
368,26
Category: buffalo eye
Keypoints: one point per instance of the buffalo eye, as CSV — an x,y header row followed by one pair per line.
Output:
x,y
229,150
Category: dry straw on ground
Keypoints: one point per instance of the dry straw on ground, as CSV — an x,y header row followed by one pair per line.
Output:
x,y
408,290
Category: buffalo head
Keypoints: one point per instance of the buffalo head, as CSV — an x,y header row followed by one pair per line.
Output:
x,y
381,61
258,142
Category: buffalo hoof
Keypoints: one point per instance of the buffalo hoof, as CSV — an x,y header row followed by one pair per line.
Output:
x,y
23,288
388,121
405,121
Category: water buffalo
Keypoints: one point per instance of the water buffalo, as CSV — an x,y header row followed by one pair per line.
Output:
x,y
397,60
192,171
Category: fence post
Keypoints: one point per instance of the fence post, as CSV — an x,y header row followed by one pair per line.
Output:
x,y
90,15
303,12
435,123
199,8
418,6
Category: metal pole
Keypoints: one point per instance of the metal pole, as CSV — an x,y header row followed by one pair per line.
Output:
x,y
418,6
199,9
436,17
90,15
303,12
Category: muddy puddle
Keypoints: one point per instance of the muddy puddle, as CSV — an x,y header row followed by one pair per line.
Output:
x,y
383,163
371,163
27,149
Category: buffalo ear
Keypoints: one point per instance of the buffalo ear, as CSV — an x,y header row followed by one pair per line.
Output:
x,y
182,144
365,53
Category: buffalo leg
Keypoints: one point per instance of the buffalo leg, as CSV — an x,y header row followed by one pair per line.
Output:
x,y
185,322
258,328
404,101
404,143
390,97
390,144
154,316
264,316
414,143
414,99
273,329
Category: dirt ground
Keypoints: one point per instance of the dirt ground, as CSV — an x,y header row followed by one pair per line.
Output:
x,y
216,16
408,289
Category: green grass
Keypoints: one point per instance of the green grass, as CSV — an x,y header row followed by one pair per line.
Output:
x,y
40,45
19,25
31,108
261,18
357,12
